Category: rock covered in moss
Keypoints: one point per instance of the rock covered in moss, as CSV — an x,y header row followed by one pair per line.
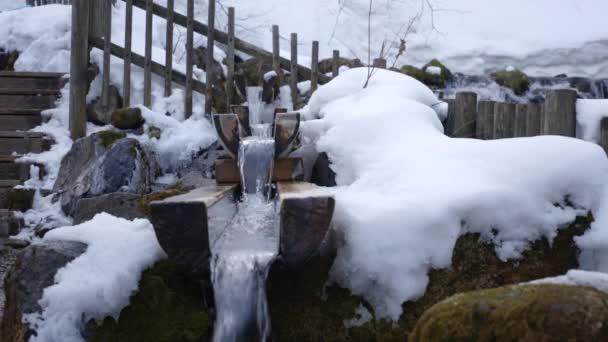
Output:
x,y
8,60
127,118
100,115
547,312
108,138
327,65
154,132
167,307
513,79
436,74
414,72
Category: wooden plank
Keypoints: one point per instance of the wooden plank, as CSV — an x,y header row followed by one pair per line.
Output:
x,y
33,92
27,101
533,120
230,57
169,47
293,77
189,58
314,67
285,170
126,90
19,122
28,74
210,58
157,68
148,56
521,112
335,63
22,135
560,113
465,115
31,83
79,62
222,37
485,120
276,53
604,134
504,120
107,35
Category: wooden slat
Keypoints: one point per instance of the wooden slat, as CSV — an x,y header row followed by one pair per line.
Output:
x,y
9,183
210,59
19,122
148,56
157,68
293,77
276,57
222,37
335,63
22,135
20,111
285,170
314,67
12,91
126,90
29,83
169,47
27,101
230,76
31,74
107,35
79,62
189,58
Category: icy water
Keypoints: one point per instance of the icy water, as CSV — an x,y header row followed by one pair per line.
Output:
x,y
243,253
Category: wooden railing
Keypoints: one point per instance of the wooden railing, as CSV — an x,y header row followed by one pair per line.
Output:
x,y
33,3
92,26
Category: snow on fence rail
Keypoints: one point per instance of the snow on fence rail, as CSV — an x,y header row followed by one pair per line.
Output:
x,y
92,26
557,115
33,3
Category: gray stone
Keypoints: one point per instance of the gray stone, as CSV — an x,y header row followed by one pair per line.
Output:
x,y
96,166
119,204
322,174
9,224
204,163
33,271
100,115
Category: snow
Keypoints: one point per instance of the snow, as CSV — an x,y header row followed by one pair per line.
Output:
x,y
589,114
98,283
407,192
596,280
433,70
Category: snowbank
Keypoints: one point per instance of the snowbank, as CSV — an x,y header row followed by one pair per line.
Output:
x,y
597,280
407,192
98,283
589,114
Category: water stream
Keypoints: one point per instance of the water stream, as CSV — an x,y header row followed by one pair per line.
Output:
x,y
244,251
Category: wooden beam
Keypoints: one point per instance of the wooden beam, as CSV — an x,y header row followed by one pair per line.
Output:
x,y
285,170
230,76
169,47
293,77
79,62
210,59
148,56
189,58
126,90
314,66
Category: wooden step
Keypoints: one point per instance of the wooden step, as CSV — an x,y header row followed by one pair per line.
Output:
x,y
19,171
28,101
28,83
22,122
23,142
29,91
21,74
16,199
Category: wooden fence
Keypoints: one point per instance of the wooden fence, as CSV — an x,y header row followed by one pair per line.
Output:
x,y
33,3
92,26
487,120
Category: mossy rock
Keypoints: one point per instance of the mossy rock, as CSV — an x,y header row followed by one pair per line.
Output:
x,y
154,132
167,308
547,312
127,118
414,72
174,190
441,80
515,80
108,138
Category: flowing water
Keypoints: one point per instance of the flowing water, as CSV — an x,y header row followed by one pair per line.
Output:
x,y
244,251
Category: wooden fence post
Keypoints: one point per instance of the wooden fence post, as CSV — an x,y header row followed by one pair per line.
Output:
x,y
449,122
604,134
293,77
504,120
210,59
230,76
79,62
314,67
148,56
380,63
485,120
189,58
521,113
465,114
126,90
560,113
335,64
107,40
169,48
533,120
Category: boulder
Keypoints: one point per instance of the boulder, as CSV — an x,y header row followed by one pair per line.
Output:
x,y
33,271
103,163
119,204
327,65
322,174
438,80
9,224
100,115
8,59
127,118
414,72
546,312
515,80
204,162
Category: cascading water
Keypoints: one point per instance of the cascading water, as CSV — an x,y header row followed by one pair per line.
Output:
x,y
243,253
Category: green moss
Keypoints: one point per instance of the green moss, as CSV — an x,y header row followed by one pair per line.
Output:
x,y
440,80
167,308
108,138
516,80
545,312
174,190
414,72
154,132
127,118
